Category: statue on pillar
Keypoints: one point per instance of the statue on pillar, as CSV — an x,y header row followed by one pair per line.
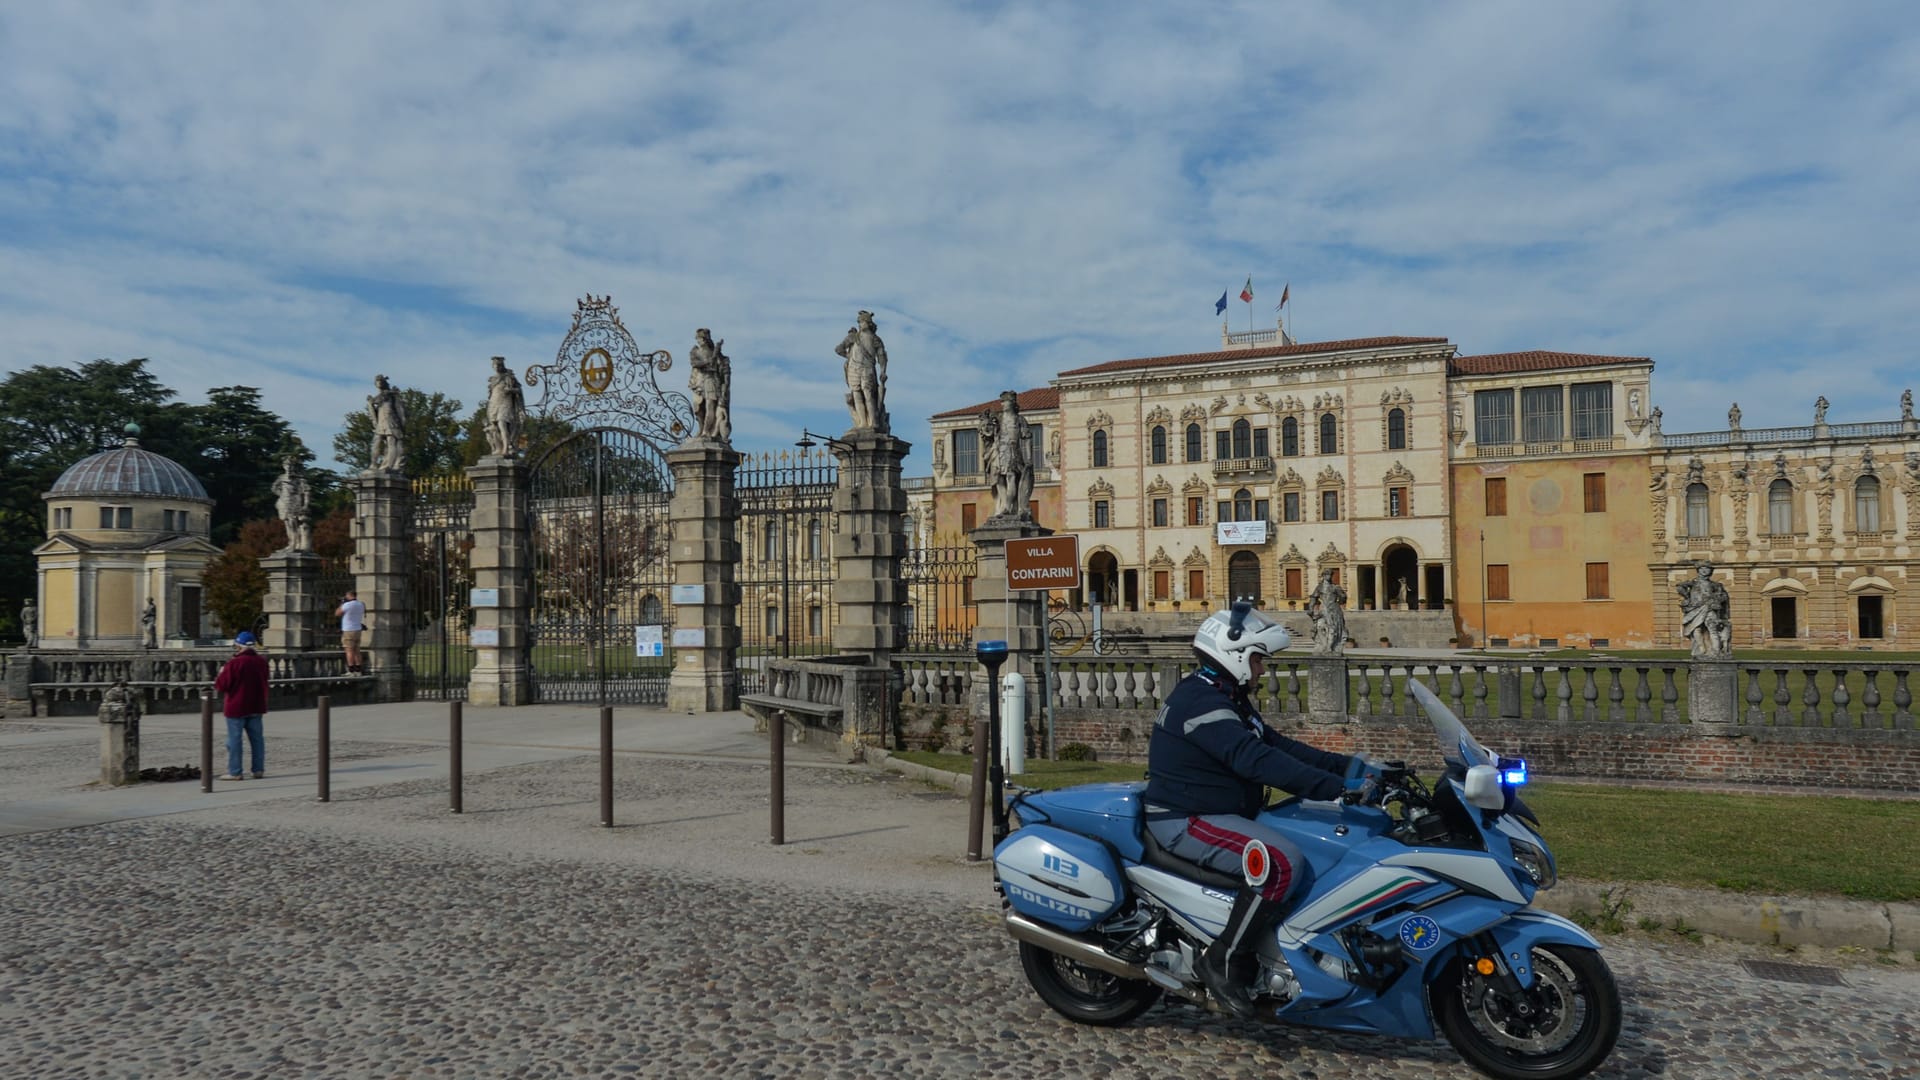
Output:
x,y
291,500
711,380
1008,440
1326,606
30,624
389,449
1906,406
1820,411
1733,417
150,626
866,373
1653,420
1706,614
506,410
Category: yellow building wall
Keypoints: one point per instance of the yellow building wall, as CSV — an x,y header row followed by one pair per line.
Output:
x,y
949,515
1545,539
59,615
113,613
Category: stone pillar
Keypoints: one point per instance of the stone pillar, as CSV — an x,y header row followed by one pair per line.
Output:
x,y
1016,617
120,737
1712,696
382,568
706,550
293,612
501,562
1327,689
869,546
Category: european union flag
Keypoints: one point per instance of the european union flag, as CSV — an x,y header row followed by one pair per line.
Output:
x,y
1220,305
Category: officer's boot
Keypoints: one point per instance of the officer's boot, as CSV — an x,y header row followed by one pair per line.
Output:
x,y
1251,914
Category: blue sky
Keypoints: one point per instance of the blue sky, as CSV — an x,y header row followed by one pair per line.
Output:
x,y
300,198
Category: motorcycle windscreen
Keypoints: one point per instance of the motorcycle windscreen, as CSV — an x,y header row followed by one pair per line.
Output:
x,y
1057,877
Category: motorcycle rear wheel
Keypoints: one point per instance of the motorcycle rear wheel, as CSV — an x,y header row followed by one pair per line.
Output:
x,y
1082,994
1572,1020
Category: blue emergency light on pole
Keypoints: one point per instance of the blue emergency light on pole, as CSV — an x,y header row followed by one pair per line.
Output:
x,y
992,654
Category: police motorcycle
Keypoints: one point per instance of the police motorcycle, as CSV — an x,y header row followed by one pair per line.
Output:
x,y
1414,914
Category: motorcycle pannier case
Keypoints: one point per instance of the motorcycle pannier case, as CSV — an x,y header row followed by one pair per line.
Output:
x,y
1057,877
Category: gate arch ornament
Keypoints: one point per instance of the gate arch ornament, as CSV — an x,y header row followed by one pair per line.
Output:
x,y
602,376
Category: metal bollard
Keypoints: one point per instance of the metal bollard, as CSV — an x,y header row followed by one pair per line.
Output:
x,y
779,750
324,764
977,798
453,753
606,766
206,741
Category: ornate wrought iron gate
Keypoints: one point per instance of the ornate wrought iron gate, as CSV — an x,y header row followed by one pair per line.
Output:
x,y
599,529
441,655
786,559
940,609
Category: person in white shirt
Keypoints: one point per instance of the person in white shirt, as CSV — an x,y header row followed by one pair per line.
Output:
x,y
353,621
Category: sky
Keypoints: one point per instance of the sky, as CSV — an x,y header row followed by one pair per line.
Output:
x,y
300,197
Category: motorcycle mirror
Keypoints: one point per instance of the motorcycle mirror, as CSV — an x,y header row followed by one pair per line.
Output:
x,y
1483,788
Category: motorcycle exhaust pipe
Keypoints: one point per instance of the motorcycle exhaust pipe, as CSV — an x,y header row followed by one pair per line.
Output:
x,y
1075,949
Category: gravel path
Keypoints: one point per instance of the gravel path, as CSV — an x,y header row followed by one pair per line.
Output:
x,y
381,936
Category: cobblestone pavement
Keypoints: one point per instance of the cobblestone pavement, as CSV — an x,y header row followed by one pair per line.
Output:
x,y
381,936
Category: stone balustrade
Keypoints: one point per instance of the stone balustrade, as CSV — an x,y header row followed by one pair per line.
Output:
x,y
173,681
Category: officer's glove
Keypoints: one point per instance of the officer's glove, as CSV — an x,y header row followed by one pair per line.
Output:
x,y
1363,790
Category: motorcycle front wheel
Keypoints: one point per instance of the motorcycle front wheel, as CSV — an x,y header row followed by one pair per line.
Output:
x,y
1564,1025
1082,994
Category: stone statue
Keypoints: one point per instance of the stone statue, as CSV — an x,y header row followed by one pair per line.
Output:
x,y
1006,443
1633,404
150,626
1906,405
291,501
506,411
30,624
1401,591
1733,417
1706,615
389,448
1820,411
1823,475
1653,420
1326,607
1696,471
119,705
1913,477
711,380
1657,484
866,372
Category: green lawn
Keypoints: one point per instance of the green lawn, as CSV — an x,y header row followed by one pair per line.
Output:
x,y
1750,843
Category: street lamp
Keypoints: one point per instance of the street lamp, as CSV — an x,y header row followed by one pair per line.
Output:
x,y
806,441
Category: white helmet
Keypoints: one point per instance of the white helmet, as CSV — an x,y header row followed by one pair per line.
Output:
x,y
1228,640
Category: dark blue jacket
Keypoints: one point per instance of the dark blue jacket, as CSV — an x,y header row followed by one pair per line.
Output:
x,y
1210,753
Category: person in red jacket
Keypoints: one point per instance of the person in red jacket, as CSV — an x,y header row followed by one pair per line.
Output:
x,y
243,685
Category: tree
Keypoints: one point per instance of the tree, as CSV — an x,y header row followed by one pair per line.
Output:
x,y
235,582
435,435
237,453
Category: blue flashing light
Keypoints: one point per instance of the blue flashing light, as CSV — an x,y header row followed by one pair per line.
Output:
x,y
1514,775
984,648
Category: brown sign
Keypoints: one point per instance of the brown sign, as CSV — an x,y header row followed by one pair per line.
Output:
x,y
1046,562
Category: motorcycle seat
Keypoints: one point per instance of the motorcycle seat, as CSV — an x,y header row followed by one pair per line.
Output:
x,y
1162,859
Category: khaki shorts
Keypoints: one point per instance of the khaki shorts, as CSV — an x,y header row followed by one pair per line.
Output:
x,y
350,639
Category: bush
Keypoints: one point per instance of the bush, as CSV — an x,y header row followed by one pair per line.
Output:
x,y
1078,751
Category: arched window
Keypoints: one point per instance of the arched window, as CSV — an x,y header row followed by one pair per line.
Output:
x,y
1396,429
650,611
1193,442
813,539
1242,439
1099,449
1697,524
1866,505
1780,507
1159,445
1329,434
1243,505
1290,437
770,542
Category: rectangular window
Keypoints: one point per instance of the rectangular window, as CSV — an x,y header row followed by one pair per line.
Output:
x,y
63,518
773,622
1196,584
190,611
1871,624
1037,447
1223,446
1196,510
1223,511
770,543
1592,410
1162,584
1493,417
1101,515
1497,582
1397,502
1329,506
1160,513
969,516
1594,488
1290,506
1540,414
1496,496
106,517
1260,445
123,517
1260,508
1033,511
815,620
966,452
1193,442
1597,585
1295,583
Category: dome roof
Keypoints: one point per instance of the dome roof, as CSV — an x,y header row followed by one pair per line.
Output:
x,y
128,470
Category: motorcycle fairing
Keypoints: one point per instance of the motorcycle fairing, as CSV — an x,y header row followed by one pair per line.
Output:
x,y
1521,930
1059,877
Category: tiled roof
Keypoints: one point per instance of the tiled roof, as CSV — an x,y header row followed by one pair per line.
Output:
x,y
1533,360
1306,349
1045,397
128,470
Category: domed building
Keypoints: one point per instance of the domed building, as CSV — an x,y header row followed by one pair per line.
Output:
x,y
124,527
